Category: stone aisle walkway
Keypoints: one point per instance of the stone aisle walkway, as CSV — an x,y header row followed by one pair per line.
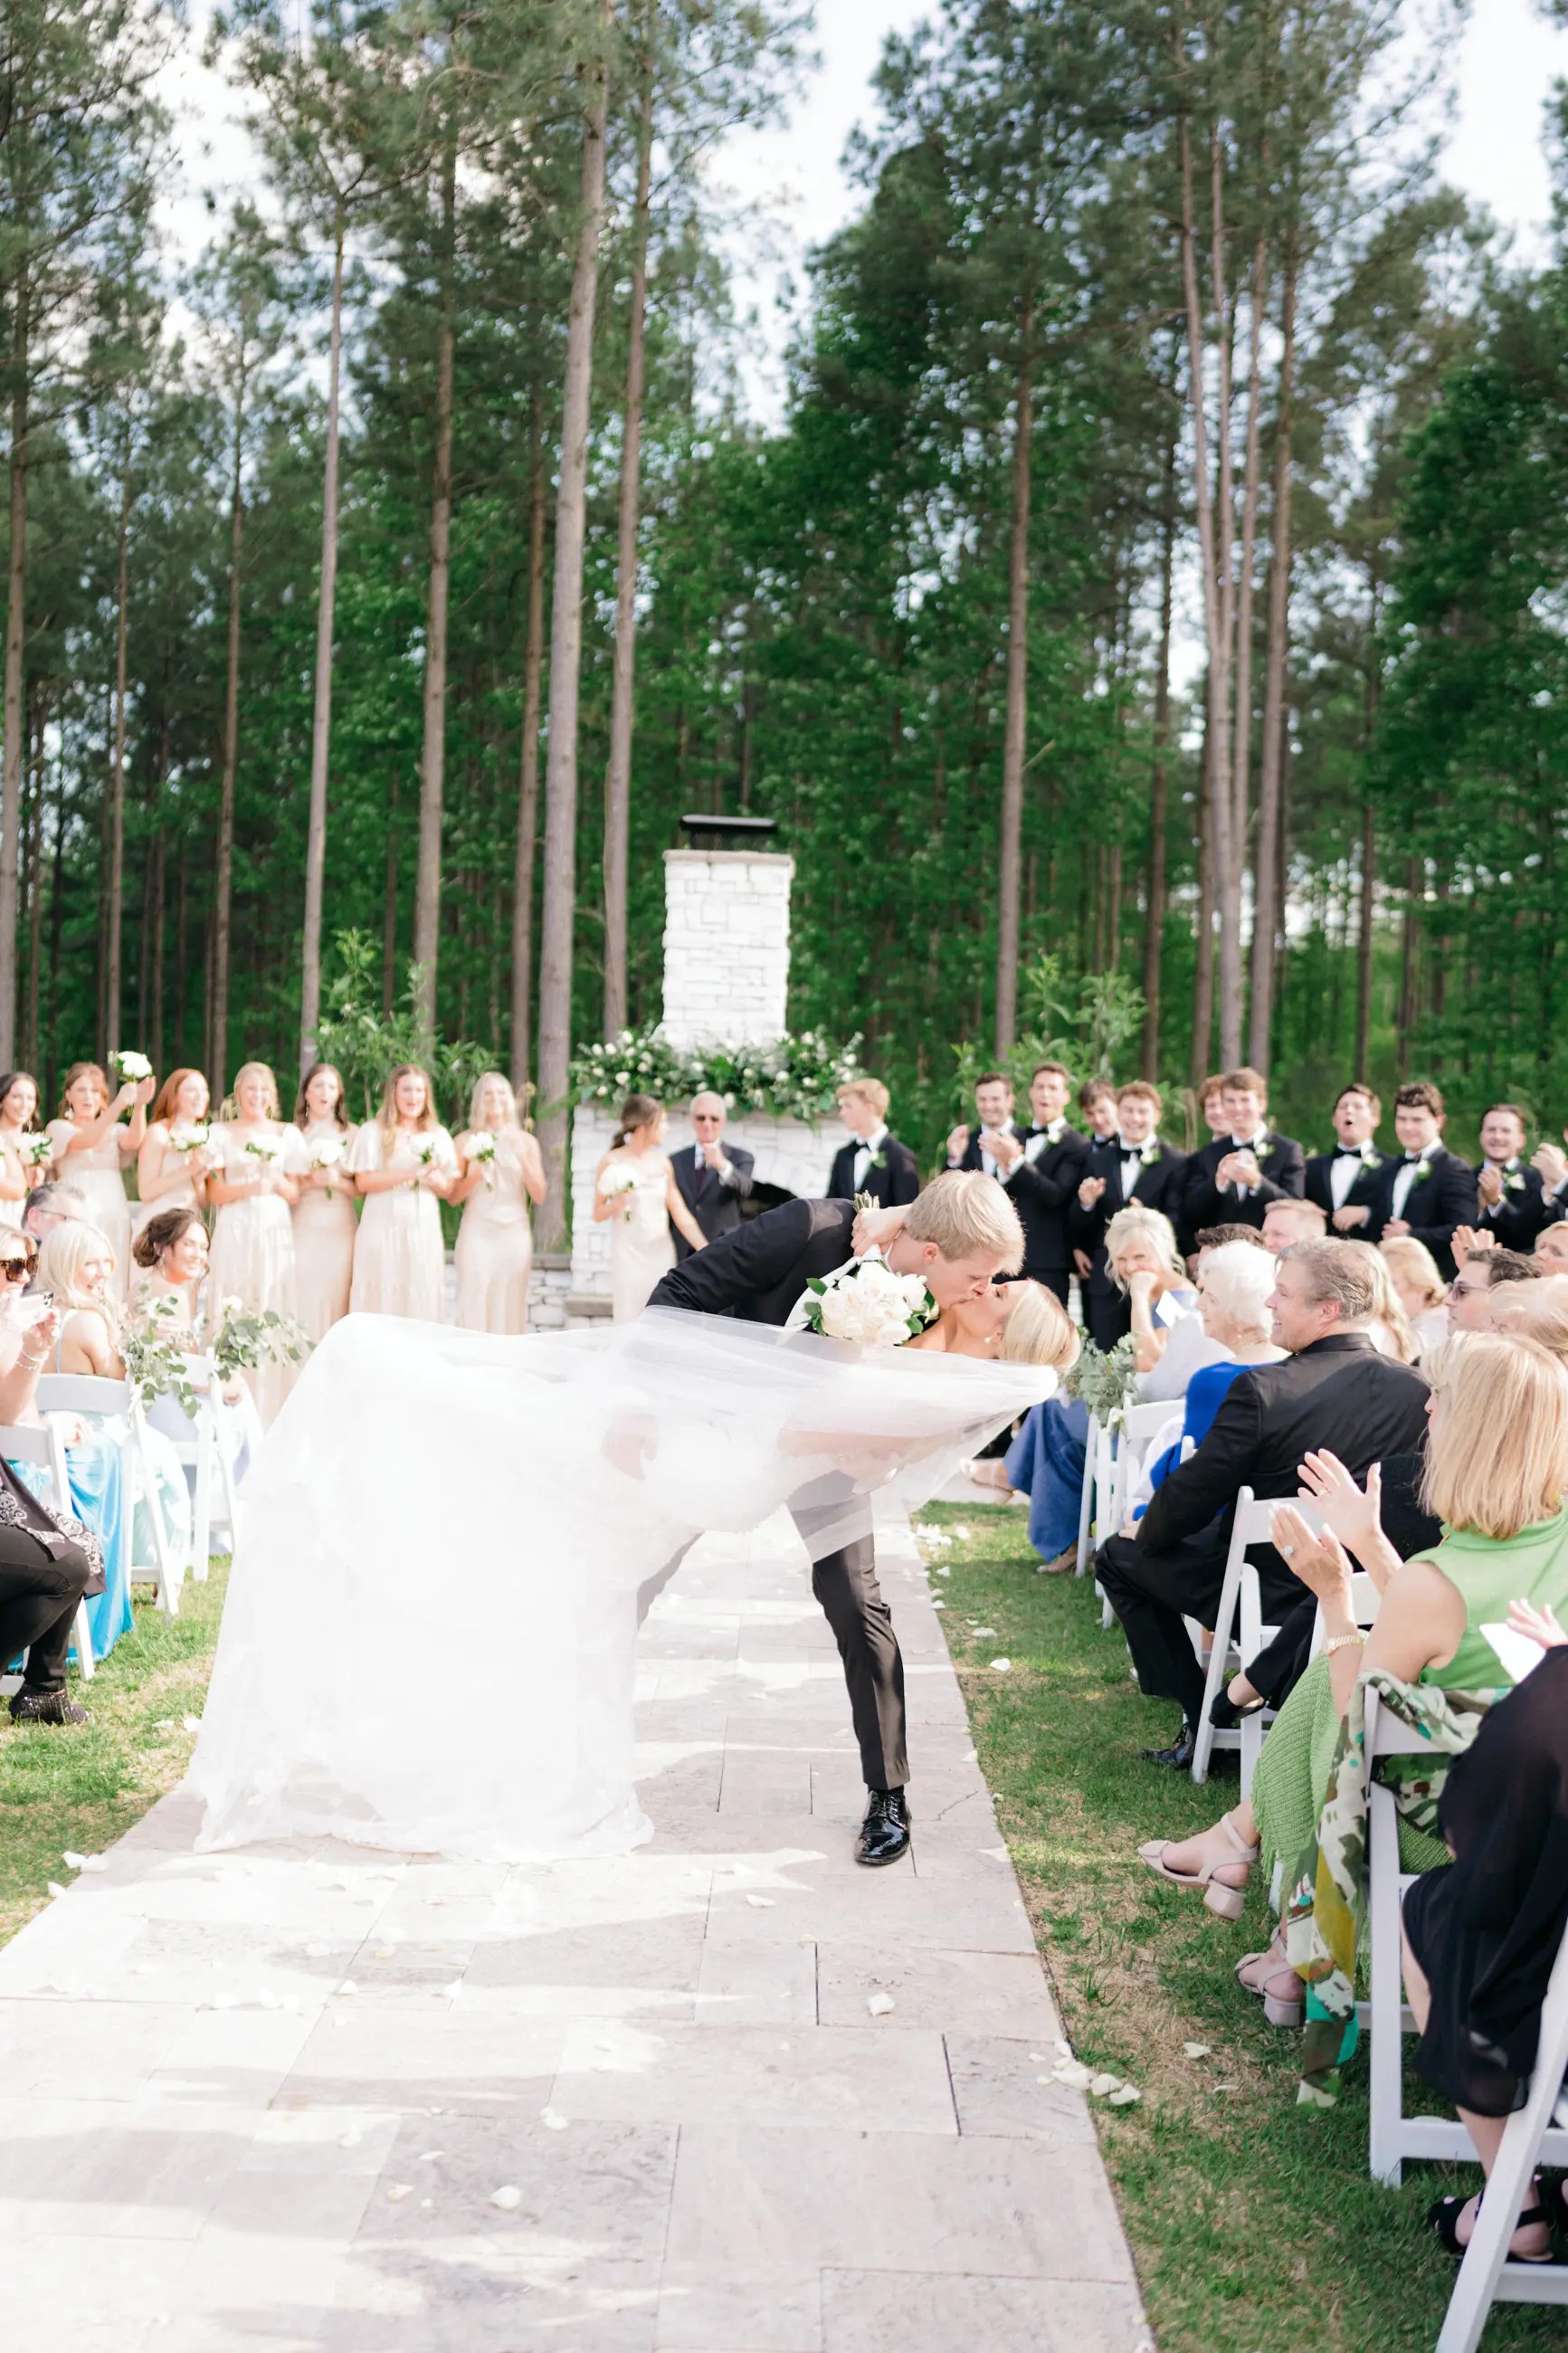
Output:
x,y
324,2098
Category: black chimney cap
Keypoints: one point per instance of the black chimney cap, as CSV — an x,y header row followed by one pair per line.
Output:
x,y
706,831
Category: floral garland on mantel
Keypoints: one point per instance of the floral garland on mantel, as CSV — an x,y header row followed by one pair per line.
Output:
x,y
794,1078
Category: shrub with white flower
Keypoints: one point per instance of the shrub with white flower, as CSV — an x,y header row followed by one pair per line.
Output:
x,y
868,1304
794,1078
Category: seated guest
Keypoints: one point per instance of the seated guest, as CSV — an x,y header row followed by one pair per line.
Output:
x,y
1427,1190
1148,1269
1496,1468
1539,1311
1343,1182
1480,1274
1480,1934
1250,1165
45,1572
1393,1334
47,1206
1551,1164
1551,1246
1131,1168
712,1178
1287,1221
1039,1164
1510,1197
1334,1390
1235,1287
1423,1294
876,1162
1188,1346
1097,1104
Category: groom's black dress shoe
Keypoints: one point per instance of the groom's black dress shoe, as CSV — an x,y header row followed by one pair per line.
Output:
x,y
1180,1754
885,1833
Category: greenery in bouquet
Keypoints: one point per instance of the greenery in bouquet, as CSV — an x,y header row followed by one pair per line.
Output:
x,y
1104,1380
795,1077
247,1337
157,1364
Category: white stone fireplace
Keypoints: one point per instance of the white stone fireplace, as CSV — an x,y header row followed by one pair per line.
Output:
x,y
726,983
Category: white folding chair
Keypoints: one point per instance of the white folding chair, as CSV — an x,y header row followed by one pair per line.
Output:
x,y
208,1453
1253,1524
1485,2277
39,1448
1141,1426
1394,2136
1085,1493
85,1393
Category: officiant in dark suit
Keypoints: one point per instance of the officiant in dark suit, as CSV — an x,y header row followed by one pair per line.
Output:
x,y
1131,1167
958,1235
1041,1164
1427,1190
1232,1180
1347,1183
874,1162
713,1177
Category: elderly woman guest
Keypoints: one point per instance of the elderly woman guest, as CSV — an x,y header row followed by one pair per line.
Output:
x,y
1234,1285
325,1224
495,1242
91,1146
18,1167
405,1166
1423,1294
176,1156
1497,1471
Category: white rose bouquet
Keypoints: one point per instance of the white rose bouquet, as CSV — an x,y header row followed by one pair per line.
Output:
x,y
616,1182
36,1151
482,1152
328,1151
132,1066
868,1304
190,1136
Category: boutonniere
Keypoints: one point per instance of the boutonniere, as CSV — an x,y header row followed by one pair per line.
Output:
x,y
1369,1158
1150,1155
1054,1130
878,1159
1514,1181
1423,1170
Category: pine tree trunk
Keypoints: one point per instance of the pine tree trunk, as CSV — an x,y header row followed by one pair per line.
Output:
x,y
528,772
1268,911
321,717
432,766
57,930
1159,781
618,775
1242,741
1415,889
389,907
1216,791
223,864
1367,903
33,887
16,588
565,666
116,884
1227,846
1010,835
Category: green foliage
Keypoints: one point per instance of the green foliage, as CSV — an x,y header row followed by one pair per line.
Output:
x,y
367,1044
248,1338
156,1363
795,1078
1106,1380
1089,1035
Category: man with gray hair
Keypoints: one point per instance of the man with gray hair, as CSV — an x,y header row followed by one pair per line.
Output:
x,y
47,1206
713,1177
1332,1393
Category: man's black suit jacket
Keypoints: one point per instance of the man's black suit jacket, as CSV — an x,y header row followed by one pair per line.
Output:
x,y
1042,1191
893,1186
1362,1195
1281,1165
1161,1186
1338,1394
758,1272
715,1206
1520,1214
1444,1197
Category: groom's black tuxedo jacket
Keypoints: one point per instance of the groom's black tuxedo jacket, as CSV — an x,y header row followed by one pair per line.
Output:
x,y
715,1206
759,1271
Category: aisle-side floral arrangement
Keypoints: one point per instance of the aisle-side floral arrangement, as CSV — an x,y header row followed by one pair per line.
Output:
x,y
247,1337
155,1346
796,1077
1106,1380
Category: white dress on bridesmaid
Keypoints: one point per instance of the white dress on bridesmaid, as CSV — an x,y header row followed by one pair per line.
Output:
x,y
253,1252
400,1259
182,1196
11,1211
641,1246
324,1231
495,1245
99,1173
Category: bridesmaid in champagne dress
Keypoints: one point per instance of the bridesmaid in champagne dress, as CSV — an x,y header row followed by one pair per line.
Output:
x,y
176,1156
92,1147
495,1242
635,1186
404,1165
324,1220
20,1169
254,1187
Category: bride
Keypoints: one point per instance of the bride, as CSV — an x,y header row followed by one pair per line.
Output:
x,y
429,1638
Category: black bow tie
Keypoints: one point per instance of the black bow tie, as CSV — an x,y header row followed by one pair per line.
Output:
x,y
1410,1158
1347,1151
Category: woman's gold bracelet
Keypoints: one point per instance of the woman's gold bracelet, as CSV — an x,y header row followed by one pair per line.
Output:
x,y
1344,1642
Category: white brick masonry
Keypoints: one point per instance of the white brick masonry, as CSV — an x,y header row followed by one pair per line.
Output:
x,y
726,947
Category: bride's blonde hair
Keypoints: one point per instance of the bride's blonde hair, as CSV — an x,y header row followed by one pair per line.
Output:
x,y
1038,1330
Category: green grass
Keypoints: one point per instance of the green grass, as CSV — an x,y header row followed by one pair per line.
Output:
x,y
80,1786
1254,2222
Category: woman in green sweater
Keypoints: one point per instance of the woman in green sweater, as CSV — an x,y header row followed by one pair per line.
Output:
x,y
1496,1472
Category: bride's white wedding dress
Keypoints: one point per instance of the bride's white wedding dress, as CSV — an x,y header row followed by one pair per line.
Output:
x,y
430,1632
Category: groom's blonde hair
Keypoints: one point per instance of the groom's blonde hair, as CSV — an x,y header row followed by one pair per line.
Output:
x,y
964,1212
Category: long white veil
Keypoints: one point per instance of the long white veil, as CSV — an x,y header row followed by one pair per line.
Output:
x,y
430,1637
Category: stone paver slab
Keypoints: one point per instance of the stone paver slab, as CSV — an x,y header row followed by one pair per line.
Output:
x,y
892,2312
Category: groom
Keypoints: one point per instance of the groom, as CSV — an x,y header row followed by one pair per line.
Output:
x,y
959,1234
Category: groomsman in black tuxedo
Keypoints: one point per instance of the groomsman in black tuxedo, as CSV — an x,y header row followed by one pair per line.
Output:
x,y
713,1177
1510,1197
1232,1180
1346,1182
1130,1167
1040,1165
1427,1190
876,1162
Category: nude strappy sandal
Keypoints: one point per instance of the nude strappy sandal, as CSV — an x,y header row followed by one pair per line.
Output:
x,y
1225,1903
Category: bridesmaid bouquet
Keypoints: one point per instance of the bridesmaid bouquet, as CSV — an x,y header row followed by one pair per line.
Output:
x,y
327,1152
617,1181
132,1066
267,1150
190,1136
482,1151
36,1151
